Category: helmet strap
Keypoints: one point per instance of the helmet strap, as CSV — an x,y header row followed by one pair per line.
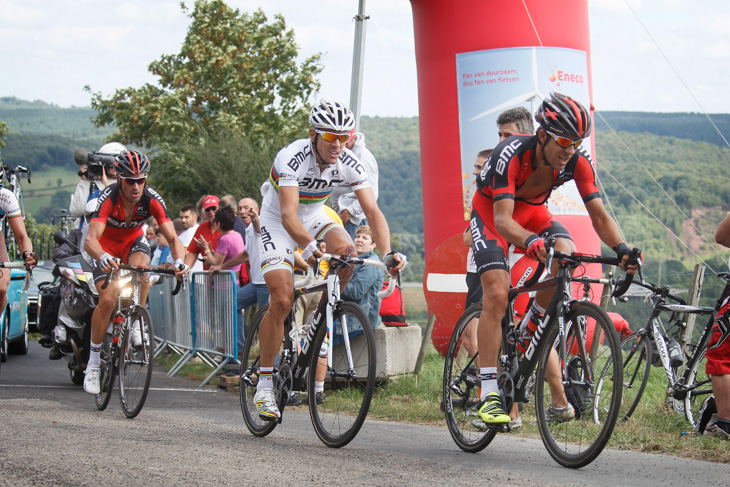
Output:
x,y
317,156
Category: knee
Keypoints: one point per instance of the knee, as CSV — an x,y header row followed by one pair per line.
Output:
x,y
495,295
280,303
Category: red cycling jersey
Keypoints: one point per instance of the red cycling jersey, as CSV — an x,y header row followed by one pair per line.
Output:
x,y
511,163
119,235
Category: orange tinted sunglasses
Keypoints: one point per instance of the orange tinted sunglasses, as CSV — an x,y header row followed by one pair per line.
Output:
x,y
565,141
331,137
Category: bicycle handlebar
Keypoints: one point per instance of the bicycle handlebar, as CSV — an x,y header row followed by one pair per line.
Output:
x,y
348,260
142,270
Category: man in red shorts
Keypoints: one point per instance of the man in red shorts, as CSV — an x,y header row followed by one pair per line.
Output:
x,y
115,235
718,355
509,207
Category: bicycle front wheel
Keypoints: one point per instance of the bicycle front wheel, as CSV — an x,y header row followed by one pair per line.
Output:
x,y
461,382
575,440
250,377
108,372
699,385
340,409
637,359
136,362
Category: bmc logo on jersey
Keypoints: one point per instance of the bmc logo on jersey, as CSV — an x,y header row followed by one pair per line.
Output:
x,y
507,152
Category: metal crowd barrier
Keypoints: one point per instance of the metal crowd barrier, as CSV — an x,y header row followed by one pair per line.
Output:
x,y
215,320
171,318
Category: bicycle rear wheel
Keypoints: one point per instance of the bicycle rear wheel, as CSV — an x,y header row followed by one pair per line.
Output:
x,y
700,387
108,372
250,377
461,382
637,359
576,442
339,411
136,363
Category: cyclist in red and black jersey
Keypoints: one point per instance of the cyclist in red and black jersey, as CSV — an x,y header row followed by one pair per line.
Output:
x,y
509,207
115,235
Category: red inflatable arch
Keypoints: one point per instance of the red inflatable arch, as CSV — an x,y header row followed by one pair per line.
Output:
x,y
475,59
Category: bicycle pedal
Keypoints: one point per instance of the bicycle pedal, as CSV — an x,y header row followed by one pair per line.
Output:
x,y
482,426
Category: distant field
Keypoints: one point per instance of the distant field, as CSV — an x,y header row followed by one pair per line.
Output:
x,y
37,194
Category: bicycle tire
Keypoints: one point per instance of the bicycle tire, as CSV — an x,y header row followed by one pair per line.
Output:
x,y
108,372
460,390
136,363
249,378
637,361
699,386
577,442
339,412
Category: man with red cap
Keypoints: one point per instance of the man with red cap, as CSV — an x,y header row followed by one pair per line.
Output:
x,y
205,238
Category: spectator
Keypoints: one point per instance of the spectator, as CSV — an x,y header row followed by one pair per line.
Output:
x,y
718,355
91,184
366,281
189,220
514,121
230,243
150,233
244,207
205,237
161,257
343,198
238,225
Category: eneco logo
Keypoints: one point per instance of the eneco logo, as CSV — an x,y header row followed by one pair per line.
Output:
x,y
558,76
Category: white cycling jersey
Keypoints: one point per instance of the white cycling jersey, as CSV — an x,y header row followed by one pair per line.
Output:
x,y
295,165
9,206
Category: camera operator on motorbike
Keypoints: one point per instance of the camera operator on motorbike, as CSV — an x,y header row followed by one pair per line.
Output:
x,y
115,234
10,209
96,172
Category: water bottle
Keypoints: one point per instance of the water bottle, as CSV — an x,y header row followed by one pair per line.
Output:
x,y
675,353
117,329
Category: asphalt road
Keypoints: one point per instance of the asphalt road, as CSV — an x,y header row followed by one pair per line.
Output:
x,y
52,434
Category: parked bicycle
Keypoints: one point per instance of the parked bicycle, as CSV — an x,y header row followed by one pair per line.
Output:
x,y
339,330
657,346
119,356
14,177
570,327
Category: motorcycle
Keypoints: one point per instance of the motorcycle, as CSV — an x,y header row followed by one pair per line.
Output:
x,y
71,336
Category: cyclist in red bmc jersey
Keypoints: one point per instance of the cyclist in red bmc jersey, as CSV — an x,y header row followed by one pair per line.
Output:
x,y
509,207
115,235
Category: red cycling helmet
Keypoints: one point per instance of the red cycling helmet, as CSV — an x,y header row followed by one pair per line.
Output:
x,y
131,163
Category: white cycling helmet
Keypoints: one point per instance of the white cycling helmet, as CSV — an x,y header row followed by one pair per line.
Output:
x,y
331,116
112,149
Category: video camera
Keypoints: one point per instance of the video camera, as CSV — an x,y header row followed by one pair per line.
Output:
x,y
95,162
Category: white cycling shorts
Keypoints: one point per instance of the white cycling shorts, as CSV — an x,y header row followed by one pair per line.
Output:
x,y
277,246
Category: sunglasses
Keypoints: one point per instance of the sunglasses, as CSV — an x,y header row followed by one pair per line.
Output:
x,y
133,181
565,141
212,208
330,137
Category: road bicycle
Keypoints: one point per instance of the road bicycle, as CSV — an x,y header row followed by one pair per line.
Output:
x,y
5,313
14,176
339,330
650,347
119,356
569,328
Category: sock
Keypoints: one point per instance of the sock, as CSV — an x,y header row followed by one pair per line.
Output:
x,y
318,386
488,376
532,317
266,378
94,355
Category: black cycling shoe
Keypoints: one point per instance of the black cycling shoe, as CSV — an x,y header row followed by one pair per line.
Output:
x,y
45,341
55,353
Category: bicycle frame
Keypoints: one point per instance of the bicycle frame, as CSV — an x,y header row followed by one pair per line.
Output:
x,y
328,303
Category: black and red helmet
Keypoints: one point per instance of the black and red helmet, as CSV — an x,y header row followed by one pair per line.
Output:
x,y
131,163
562,115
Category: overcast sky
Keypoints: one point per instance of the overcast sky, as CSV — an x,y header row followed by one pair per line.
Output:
x,y
50,49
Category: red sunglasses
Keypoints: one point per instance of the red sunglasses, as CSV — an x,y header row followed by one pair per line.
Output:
x,y
133,181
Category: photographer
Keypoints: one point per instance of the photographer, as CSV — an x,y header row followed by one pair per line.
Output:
x,y
96,170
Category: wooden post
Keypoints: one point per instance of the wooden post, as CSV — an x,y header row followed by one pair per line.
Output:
x,y
693,299
424,343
